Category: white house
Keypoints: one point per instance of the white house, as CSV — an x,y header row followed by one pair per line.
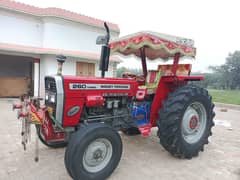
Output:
x,y
31,37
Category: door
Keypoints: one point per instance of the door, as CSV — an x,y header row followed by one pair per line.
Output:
x,y
15,75
85,69
14,86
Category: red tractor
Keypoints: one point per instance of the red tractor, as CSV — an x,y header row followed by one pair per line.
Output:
x,y
86,113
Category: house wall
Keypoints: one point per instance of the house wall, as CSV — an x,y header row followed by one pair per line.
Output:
x,y
49,65
50,32
62,34
20,29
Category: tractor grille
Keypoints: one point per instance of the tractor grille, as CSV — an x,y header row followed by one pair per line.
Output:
x,y
50,90
50,84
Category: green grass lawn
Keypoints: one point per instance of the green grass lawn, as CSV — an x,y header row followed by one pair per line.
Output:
x,y
225,96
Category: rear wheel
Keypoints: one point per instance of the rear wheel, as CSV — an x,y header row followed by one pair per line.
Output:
x,y
93,152
186,119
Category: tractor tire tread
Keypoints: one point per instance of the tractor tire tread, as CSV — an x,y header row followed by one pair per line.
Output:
x,y
168,123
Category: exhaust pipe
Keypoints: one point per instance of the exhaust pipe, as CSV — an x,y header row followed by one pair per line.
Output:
x,y
105,52
61,59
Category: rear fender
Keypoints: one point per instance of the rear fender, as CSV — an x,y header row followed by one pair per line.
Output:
x,y
161,93
181,78
166,85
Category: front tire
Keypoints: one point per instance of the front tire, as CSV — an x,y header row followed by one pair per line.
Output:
x,y
185,122
93,152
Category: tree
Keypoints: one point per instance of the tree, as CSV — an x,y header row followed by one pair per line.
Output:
x,y
226,76
211,81
229,73
232,67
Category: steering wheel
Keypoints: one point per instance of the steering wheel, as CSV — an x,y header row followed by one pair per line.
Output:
x,y
133,76
129,75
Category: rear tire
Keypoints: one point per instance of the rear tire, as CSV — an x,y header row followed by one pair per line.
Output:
x,y
185,122
93,152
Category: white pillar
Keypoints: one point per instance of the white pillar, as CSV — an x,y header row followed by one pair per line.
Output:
x,y
36,77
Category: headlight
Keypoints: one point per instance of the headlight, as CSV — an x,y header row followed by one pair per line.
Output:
x,y
52,98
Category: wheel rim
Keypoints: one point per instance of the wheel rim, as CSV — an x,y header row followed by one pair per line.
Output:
x,y
97,155
194,122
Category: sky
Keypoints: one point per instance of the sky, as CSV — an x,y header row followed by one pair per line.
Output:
x,y
212,24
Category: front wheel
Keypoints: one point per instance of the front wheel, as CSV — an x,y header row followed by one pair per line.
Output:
x,y
93,152
185,122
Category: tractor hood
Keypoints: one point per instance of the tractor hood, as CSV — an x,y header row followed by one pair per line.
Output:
x,y
156,45
84,86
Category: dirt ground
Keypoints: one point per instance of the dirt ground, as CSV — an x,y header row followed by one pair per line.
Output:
x,y
143,158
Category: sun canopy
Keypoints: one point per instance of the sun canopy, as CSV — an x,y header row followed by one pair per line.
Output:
x,y
156,45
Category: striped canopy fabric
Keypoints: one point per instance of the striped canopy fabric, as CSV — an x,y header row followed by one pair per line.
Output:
x,y
156,45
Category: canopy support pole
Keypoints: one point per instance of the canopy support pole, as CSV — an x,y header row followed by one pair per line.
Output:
x,y
175,63
144,64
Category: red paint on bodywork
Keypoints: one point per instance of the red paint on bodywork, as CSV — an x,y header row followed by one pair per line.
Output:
x,y
69,103
161,94
182,78
94,80
87,97
94,101
145,129
167,85
84,97
175,63
46,126
48,131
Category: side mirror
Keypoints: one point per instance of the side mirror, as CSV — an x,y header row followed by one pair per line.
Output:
x,y
61,59
101,40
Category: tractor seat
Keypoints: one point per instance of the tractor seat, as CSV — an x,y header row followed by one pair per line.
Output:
x,y
152,80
